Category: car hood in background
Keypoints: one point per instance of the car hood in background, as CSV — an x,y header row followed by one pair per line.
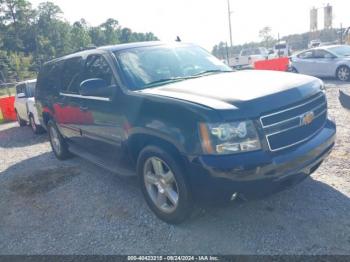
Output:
x,y
251,89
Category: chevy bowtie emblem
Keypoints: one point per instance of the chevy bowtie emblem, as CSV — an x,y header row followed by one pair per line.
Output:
x,y
307,118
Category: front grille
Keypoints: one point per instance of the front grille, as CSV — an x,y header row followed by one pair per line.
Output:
x,y
289,127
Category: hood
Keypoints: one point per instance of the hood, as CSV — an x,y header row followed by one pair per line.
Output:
x,y
243,89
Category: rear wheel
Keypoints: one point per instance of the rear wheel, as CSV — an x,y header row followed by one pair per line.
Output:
x,y
37,129
164,185
343,73
293,70
58,144
20,122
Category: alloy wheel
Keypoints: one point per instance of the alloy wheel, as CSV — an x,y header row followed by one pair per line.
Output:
x,y
161,185
32,124
55,140
343,73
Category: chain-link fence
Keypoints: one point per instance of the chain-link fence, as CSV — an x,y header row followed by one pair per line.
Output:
x,y
7,89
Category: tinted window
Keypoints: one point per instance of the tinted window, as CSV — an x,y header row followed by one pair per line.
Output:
x,y
97,67
49,79
71,75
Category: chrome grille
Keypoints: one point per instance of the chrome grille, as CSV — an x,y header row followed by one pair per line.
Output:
x,y
292,126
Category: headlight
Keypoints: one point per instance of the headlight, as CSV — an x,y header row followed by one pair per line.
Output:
x,y
229,138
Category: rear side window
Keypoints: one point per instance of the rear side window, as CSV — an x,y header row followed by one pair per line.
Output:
x,y
48,81
21,89
71,75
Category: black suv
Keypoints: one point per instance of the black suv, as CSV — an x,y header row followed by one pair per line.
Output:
x,y
190,128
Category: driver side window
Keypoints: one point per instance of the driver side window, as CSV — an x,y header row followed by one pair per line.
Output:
x,y
97,67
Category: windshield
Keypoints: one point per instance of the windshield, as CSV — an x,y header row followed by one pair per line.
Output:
x,y
281,46
31,89
341,51
153,66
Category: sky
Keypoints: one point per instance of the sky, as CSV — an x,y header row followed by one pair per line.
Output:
x,y
204,22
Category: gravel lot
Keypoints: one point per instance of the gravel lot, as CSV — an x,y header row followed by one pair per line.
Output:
x,y
73,207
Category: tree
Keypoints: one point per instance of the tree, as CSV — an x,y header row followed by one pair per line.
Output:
x,y
29,37
80,37
49,11
16,16
265,35
111,30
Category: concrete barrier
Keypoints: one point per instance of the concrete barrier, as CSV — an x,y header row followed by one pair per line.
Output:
x,y
277,64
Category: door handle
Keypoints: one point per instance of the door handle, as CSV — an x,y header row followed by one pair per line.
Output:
x,y
84,108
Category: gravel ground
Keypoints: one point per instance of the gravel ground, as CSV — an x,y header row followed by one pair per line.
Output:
x,y
73,207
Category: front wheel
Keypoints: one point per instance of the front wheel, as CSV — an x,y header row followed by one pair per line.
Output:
x,y
58,144
343,73
164,186
20,122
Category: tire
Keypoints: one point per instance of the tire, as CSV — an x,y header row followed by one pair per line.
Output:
x,y
343,73
166,191
58,144
293,70
20,122
37,129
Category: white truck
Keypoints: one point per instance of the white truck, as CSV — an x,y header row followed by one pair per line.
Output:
x,y
249,56
25,106
282,49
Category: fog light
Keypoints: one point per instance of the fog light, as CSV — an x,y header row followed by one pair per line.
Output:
x,y
234,196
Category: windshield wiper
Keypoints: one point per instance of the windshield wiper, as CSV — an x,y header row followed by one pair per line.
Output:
x,y
212,71
164,81
181,78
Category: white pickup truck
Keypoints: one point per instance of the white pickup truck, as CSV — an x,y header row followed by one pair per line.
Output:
x,y
25,106
249,56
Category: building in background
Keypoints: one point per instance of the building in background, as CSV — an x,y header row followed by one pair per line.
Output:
x,y
328,17
313,19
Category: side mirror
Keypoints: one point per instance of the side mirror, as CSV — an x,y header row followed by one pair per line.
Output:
x,y
21,95
95,87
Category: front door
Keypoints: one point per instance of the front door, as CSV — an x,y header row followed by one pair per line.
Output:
x,y
102,136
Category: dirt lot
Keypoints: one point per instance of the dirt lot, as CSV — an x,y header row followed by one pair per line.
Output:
x,y
73,207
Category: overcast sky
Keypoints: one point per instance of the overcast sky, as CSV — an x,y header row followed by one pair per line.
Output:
x,y
204,22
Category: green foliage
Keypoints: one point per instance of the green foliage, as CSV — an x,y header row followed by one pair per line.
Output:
x,y
29,37
295,41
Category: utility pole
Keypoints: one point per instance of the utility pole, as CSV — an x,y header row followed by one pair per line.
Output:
x,y
341,33
229,22
227,56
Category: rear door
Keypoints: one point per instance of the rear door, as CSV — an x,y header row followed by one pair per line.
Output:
x,y
67,109
21,101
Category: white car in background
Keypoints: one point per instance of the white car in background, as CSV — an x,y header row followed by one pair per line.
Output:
x,y
325,61
25,106
249,56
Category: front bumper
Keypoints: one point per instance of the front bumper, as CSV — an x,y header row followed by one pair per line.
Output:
x,y
256,174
